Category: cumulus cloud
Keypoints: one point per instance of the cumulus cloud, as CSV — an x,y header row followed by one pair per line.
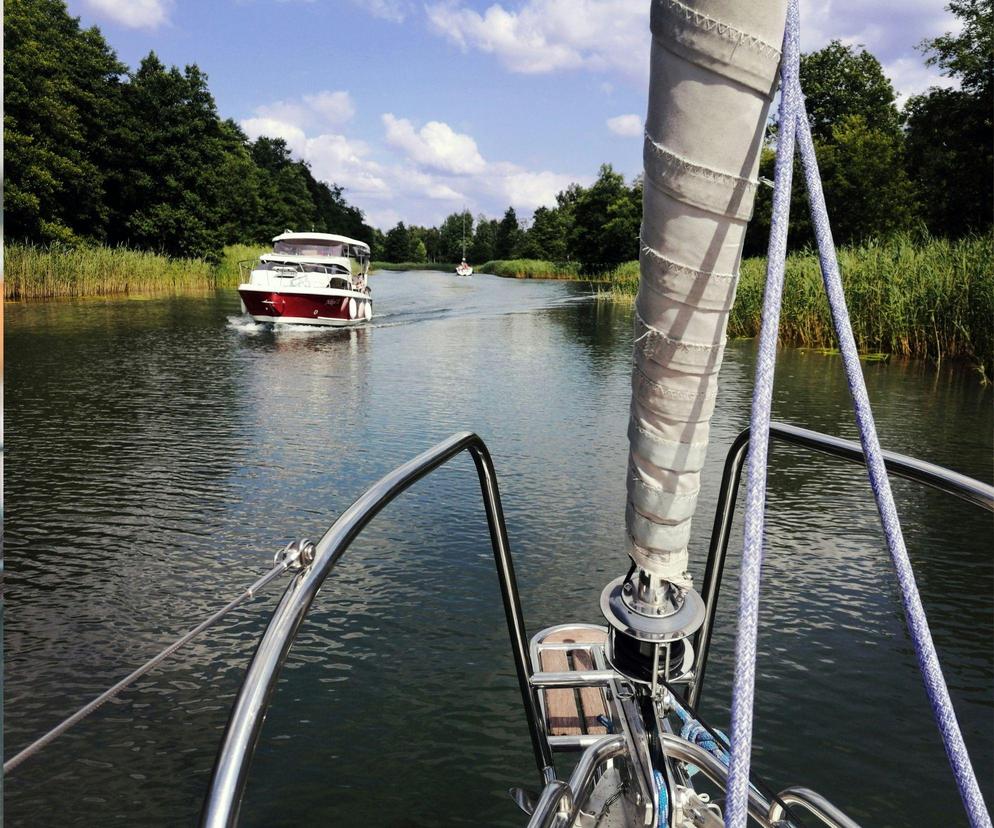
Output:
x,y
333,157
434,169
542,36
447,164
135,14
548,35
890,30
316,110
628,126
435,145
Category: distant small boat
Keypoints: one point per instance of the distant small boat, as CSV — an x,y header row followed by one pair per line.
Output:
x,y
309,279
463,269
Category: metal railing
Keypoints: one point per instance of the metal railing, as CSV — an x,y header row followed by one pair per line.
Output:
x,y
241,736
560,802
899,465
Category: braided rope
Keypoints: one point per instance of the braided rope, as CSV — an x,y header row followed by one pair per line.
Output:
x,y
794,121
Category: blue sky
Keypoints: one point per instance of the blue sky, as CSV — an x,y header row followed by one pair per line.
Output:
x,y
419,108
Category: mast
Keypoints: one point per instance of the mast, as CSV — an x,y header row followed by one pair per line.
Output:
x,y
713,74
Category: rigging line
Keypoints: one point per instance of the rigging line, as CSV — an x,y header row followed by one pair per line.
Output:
x,y
285,559
794,121
744,680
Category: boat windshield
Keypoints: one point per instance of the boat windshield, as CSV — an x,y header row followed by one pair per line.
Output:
x,y
310,248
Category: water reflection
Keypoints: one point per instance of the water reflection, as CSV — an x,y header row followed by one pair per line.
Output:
x,y
158,457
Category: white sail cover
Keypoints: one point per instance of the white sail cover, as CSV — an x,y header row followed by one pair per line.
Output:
x,y
713,74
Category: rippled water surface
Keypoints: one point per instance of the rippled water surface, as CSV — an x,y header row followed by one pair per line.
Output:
x,y
160,451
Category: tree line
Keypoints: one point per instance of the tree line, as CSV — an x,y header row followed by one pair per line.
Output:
x,y
597,226
98,153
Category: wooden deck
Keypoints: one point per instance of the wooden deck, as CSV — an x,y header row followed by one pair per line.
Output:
x,y
572,712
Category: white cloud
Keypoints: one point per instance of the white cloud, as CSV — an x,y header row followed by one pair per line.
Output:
x,y
889,29
346,162
294,136
318,110
628,126
548,35
526,189
435,169
436,145
333,158
135,14
910,76
393,10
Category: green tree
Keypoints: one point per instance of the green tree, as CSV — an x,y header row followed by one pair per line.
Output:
x,y
867,191
377,243
949,131
287,203
450,242
606,218
62,102
484,247
547,236
397,244
419,252
508,235
174,148
840,81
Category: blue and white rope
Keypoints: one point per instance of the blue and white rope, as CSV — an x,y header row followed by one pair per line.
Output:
x,y
793,118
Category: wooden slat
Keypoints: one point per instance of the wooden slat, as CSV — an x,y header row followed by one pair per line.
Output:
x,y
560,704
565,718
591,698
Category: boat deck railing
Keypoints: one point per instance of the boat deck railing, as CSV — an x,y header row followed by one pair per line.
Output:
x,y
292,270
899,465
557,803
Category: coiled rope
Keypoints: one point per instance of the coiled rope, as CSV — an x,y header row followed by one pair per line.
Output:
x,y
291,556
793,125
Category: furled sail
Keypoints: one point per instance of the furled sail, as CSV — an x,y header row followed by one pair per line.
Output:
x,y
713,74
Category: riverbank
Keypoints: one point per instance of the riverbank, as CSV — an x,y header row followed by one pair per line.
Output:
x,y
931,300
71,272
531,269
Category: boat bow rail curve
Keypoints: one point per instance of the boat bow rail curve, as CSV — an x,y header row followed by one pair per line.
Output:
x,y
234,757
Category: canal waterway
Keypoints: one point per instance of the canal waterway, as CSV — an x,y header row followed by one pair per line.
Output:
x,y
159,452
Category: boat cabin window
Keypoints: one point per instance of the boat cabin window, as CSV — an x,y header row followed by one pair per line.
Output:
x,y
310,248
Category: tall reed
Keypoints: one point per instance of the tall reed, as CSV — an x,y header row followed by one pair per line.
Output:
x,y
228,272
32,272
924,298
531,269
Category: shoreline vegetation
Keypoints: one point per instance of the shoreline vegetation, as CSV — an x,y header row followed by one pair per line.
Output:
x,y
908,296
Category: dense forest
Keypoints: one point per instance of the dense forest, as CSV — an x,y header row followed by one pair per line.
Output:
x,y
98,153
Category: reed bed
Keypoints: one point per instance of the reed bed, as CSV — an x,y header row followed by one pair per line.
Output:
x,y
32,272
927,299
228,273
531,269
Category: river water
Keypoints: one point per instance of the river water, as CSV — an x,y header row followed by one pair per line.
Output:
x,y
160,451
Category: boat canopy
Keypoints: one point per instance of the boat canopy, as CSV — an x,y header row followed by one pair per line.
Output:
x,y
319,244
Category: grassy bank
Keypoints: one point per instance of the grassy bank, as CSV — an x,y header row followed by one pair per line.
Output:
x,y
932,299
34,272
531,269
